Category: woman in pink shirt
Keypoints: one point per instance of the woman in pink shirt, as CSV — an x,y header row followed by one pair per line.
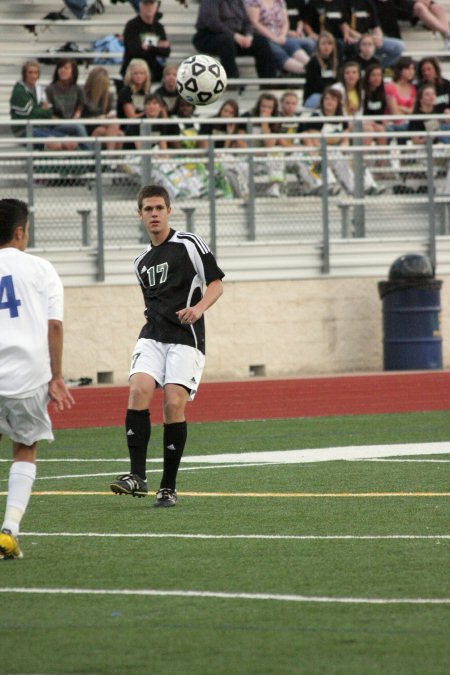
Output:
x,y
401,92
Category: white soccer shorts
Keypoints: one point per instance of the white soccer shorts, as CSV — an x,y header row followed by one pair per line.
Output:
x,y
169,363
26,420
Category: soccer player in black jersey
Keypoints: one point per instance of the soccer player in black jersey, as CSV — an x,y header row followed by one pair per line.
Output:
x,y
170,351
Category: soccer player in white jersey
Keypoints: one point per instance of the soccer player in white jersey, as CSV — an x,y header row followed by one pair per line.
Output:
x,y
31,338
170,351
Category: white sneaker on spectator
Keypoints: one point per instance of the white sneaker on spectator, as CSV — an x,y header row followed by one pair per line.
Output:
x,y
273,190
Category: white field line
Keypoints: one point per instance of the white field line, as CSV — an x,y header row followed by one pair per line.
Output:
x,y
300,456
274,597
427,461
272,458
185,468
272,537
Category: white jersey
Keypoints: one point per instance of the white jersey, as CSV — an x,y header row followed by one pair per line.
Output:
x,y
31,293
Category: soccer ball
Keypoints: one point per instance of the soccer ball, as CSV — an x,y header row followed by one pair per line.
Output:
x,y
201,79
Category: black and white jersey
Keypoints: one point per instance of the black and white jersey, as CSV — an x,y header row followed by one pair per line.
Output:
x,y
172,276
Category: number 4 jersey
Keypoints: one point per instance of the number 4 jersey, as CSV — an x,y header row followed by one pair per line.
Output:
x,y
31,293
172,275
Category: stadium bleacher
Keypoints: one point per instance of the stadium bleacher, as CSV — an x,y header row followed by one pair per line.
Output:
x,y
25,35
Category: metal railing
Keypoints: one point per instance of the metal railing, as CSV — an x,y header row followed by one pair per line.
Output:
x,y
86,199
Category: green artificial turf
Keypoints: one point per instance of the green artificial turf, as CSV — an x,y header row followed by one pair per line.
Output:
x,y
296,549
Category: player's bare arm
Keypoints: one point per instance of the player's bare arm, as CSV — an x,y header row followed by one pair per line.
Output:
x,y
57,390
192,314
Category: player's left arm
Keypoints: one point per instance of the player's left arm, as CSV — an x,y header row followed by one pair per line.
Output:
x,y
192,314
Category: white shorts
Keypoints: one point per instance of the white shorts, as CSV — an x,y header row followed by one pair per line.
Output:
x,y
26,420
169,363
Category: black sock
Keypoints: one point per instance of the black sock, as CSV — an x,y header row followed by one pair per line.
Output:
x,y
138,429
174,441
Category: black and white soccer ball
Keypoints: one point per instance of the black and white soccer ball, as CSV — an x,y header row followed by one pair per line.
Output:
x,y
201,79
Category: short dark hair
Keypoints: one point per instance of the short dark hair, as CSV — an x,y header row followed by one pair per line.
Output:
x,y
13,213
402,63
62,62
154,97
153,191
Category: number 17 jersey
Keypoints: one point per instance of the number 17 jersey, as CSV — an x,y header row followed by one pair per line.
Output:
x,y
171,276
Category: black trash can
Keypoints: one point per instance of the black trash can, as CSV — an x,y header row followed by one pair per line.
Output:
x,y
411,307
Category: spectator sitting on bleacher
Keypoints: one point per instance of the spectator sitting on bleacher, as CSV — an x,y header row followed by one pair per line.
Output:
x,y
426,105
28,102
328,15
131,97
98,102
144,37
321,71
168,89
362,17
430,13
66,98
270,163
82,9
388,15
331,106
188,174
299,160
155,109
429,72
235,167
224,30
365,53
297,26
373,91
270,18
401,92
374,99
350,85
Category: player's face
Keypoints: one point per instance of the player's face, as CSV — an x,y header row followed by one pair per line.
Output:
x,y
155,216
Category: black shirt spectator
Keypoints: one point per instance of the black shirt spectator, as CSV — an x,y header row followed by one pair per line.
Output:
x,y
388,16
145,38
327,15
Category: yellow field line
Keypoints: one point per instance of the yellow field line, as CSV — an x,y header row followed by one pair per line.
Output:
x,y
73,493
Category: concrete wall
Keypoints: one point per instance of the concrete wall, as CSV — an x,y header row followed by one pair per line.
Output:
x,y
290,328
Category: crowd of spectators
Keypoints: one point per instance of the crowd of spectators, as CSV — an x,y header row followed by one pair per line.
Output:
x,y
349,53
